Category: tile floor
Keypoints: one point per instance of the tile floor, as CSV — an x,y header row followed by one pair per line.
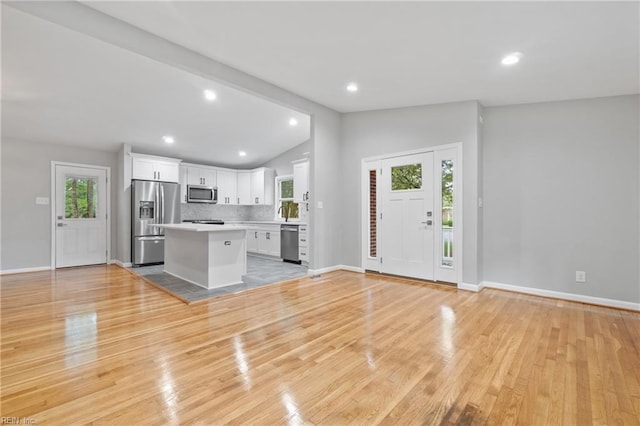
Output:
x,y
260,271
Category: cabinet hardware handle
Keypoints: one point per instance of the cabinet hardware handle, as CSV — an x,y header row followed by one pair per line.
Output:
x,y
227,243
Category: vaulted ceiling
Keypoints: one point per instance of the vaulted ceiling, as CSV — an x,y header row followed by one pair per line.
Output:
x,y
60,85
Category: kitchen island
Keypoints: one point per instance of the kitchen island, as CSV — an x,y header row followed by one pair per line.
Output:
x,y
210,256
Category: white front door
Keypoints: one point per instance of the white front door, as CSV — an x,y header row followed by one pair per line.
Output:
x,y
80,216
407,220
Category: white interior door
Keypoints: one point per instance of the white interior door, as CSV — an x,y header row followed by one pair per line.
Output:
x,y
80,216
406,244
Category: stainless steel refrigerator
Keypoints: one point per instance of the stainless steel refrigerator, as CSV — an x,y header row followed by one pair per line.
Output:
x,y
151,203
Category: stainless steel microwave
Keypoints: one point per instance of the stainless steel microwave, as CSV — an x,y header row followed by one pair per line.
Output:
x,y
202,194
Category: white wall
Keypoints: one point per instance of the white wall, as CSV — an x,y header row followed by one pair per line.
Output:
x,y
561,193
282,163
26,174
372,133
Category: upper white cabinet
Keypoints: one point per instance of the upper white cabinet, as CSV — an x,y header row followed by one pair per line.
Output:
x,y
301,181
149,167
227,186
192,174
244,187
235,187
205,176
262,186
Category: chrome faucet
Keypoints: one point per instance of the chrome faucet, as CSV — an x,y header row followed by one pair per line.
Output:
x,y
286,213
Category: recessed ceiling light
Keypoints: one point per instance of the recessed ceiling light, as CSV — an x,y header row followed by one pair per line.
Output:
x,y
352,87
293,122
512,58
242,153
210,95
168,139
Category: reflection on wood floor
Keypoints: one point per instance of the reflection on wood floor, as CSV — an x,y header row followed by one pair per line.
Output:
x,y
100,345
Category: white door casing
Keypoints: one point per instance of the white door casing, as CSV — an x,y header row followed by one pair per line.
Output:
x,y
80,238
378,242
407,220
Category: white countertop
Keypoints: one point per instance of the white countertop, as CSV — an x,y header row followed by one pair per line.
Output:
x,y
266,222
203,227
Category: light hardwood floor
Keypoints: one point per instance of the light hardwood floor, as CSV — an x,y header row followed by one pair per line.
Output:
x,y
99,345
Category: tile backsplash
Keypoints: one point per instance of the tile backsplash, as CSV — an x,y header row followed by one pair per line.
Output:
x,y
220,211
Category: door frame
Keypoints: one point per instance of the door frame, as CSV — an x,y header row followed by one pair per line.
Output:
x,y
365,166
54,164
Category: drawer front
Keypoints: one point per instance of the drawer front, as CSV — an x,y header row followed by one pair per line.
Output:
x,y
304,254
303,240
302,228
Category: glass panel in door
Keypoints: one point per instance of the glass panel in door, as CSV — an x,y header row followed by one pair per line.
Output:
x,y
81,197
447,212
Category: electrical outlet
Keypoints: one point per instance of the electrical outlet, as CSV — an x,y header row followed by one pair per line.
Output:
x,y
581,277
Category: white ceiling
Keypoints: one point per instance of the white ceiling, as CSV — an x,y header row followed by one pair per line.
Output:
x,y
409,53
63,87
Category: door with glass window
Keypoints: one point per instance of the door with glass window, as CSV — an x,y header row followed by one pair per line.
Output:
x,y
81,216
407,216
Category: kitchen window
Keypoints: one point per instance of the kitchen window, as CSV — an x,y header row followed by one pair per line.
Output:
x,y
286,207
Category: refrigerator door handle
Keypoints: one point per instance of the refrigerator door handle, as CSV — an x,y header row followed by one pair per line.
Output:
x,y
161,206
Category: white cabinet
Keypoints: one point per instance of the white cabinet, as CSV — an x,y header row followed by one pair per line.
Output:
x,y
244,187
195,175
252,241
227,186
301,181
183,184
149,167
201,176
262,186
303,243
264,240
235,187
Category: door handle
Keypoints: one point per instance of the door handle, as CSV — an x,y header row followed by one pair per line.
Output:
x,y
429,222
60,225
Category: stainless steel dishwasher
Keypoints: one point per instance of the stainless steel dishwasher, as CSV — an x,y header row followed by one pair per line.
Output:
x,y
289,243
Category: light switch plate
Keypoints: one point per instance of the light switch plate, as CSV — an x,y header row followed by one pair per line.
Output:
x,y
320,204
42,200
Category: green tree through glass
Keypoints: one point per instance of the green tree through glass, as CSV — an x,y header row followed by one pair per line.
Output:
x,y
406,177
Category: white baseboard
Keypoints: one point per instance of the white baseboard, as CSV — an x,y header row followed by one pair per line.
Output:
x,y
336,268
120,263
471,287
564,296
24,270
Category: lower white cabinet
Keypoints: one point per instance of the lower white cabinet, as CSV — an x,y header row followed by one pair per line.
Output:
x,y
303,243
264,240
